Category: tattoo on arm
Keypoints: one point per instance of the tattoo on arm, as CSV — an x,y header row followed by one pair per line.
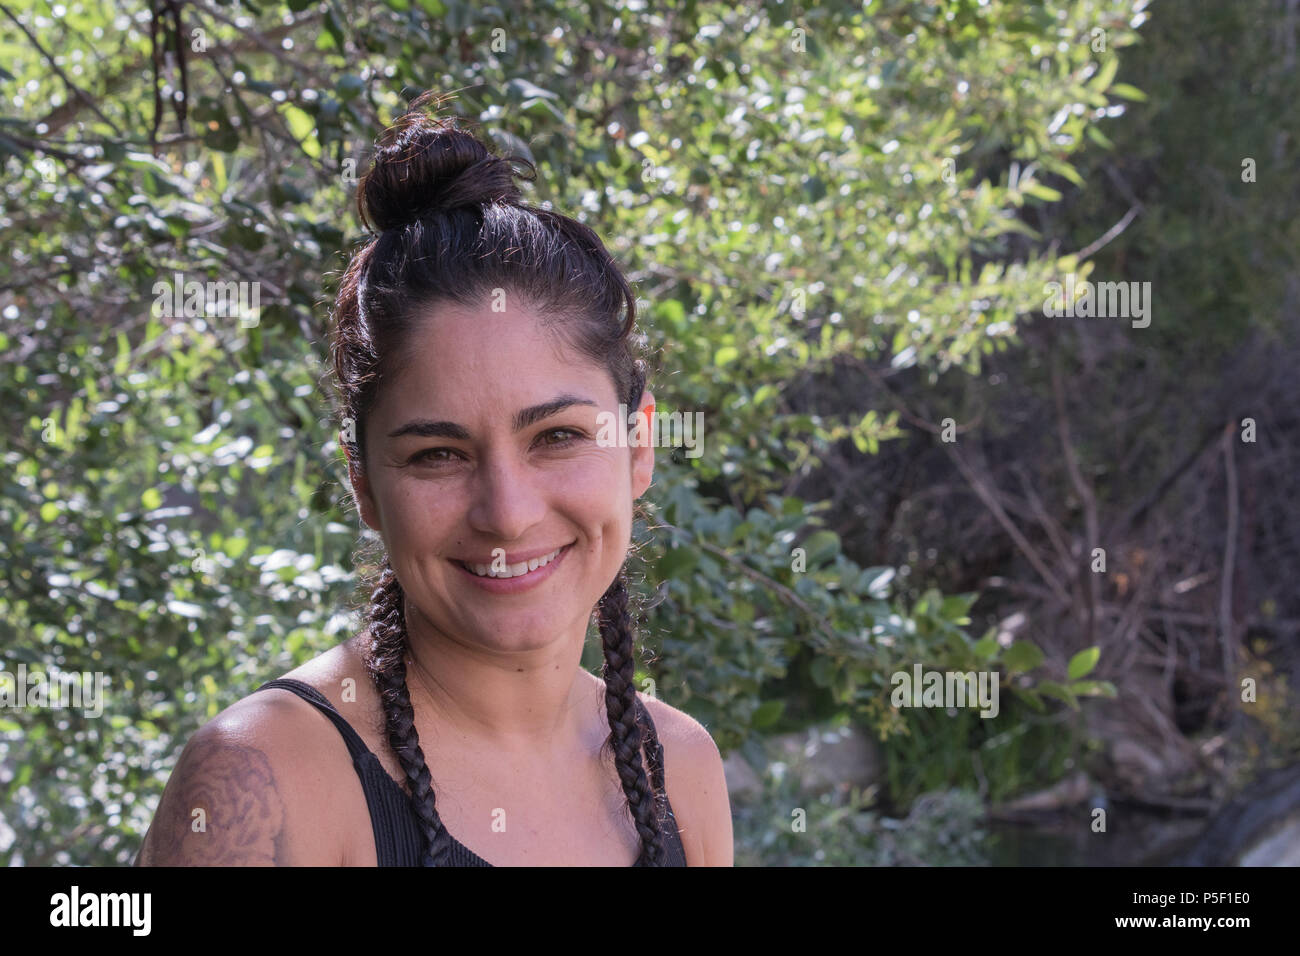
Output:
x,y
221,808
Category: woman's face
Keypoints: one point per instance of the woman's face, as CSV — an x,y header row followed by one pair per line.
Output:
x,y
484,446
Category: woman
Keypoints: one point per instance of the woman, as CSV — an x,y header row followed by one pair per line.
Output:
x,y
477,351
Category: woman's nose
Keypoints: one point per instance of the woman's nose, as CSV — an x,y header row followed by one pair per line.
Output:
x,y
507,499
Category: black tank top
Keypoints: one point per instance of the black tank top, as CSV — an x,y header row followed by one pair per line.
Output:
x,y
398,838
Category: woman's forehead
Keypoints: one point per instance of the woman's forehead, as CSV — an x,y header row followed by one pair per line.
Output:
x,y
494,388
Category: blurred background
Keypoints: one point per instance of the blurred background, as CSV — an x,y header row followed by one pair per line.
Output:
x,y
844,222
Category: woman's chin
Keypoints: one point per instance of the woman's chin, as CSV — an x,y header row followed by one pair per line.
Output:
x,y
516,633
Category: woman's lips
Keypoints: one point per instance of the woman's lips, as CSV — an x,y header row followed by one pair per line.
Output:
x,y
522,582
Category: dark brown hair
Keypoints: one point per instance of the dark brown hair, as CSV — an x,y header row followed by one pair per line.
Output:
x,y
450,225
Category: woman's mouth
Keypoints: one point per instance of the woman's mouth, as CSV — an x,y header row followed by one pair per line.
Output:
x,y
514,577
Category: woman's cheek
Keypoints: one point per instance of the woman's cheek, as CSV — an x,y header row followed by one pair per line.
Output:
x,y
420,514
594,476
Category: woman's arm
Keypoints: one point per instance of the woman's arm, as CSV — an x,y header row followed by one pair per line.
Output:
x,y
237,796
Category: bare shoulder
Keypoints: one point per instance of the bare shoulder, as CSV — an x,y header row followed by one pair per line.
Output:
x,y
241,793
696,784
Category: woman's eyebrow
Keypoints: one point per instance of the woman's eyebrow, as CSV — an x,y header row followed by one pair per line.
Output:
x,y
523,418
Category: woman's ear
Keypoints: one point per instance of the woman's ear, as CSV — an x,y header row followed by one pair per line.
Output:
x,y
643,451
361,491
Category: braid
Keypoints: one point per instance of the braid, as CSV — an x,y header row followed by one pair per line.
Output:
x,y
627,731
386,663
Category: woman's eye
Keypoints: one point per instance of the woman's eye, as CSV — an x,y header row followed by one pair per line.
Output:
x,y
429,455
554,438
567,436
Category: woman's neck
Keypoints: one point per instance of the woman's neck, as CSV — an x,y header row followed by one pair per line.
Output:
x,y
530,704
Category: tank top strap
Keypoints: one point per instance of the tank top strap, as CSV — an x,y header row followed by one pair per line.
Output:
x,y
356,747
398,841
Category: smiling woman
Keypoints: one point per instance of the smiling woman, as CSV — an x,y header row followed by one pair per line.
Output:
x,y
478,343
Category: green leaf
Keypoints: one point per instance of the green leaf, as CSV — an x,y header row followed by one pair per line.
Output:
x,y
1128,92
151,499
955,606
1039,191
224,139
301,126
986,647
123,355
1093,688
767,714
676,563
1082,663
821,546
670,312
1100,138
1069,172
1022,656
1051,688
874,582
1030,698
349,86
334,33
1105,74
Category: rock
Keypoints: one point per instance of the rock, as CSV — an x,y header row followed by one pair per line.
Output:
x,y
1261,827
825,760
1280,848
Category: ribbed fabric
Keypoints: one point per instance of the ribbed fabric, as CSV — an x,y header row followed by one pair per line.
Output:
x,y
398,838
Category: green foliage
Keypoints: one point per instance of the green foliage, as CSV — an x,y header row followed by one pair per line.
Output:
x,y
1183,145
936,748
777,188
785,827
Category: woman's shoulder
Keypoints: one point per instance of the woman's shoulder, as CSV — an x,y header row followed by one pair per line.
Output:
x,y
250,786
278,714
688,735
338,674
696,783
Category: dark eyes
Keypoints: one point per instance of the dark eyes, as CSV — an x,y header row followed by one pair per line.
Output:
x,y
427,455
567,436
572,433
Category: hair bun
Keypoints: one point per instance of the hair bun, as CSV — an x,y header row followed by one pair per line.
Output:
x,y
426,164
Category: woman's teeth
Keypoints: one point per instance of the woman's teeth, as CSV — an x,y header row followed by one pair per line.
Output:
x,y
513,570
